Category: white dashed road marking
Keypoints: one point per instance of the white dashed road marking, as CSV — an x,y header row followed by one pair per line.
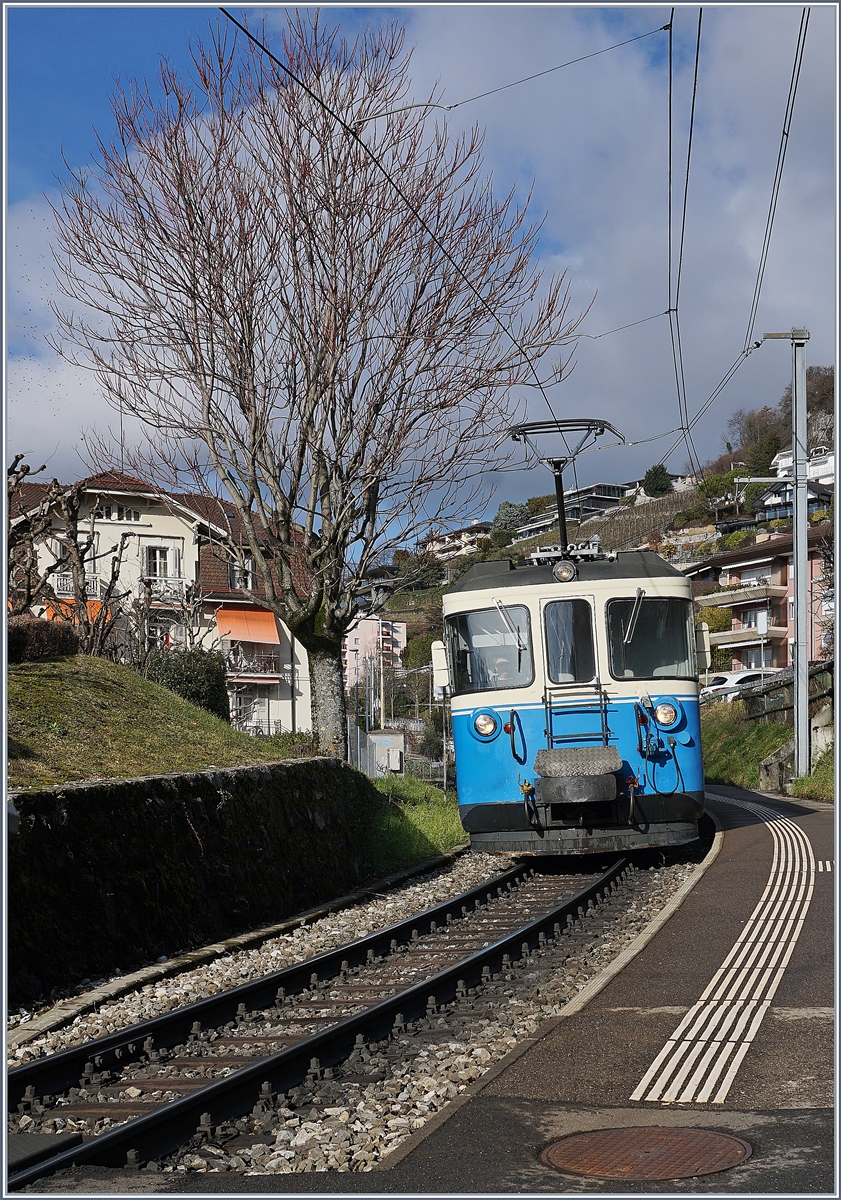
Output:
x,y
702,1057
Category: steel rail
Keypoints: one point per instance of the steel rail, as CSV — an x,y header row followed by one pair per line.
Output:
x,y
57,1072
169,1126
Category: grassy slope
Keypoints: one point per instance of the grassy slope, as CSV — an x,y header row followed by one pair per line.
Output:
x,y
85,718
420,822
735,746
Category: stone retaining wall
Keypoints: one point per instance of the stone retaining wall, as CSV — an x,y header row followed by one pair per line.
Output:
x,y
115,873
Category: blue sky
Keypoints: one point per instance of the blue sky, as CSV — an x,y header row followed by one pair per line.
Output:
x,y
590,140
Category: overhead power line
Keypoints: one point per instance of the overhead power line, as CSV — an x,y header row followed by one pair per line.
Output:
x,y
527,79
750,345
675,280
778,172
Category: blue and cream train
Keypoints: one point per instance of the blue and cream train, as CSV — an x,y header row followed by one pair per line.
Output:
x,y
573,684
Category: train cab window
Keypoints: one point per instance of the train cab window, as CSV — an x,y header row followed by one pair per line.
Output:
x,y
490,649
659,643
570,656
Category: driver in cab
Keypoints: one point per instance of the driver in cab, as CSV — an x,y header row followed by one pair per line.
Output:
x,y
503,669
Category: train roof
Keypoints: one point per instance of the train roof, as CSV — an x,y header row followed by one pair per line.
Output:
x,y
630,564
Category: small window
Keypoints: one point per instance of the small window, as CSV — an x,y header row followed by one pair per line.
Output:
x,y
157,562
570,656
241,575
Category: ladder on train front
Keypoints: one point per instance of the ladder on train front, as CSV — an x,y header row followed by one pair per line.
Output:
x,y
561,708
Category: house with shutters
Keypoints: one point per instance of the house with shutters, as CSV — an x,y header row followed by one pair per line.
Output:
x,y
175,571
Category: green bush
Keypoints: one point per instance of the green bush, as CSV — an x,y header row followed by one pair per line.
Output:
x,y
34,638
820,784
736,539
431,743
501,537
196,675
293,745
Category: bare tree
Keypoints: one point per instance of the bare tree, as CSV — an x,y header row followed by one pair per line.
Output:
x,y
97,605
29,517
334,356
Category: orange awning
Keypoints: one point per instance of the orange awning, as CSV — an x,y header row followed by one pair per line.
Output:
x,y
66,610
250,625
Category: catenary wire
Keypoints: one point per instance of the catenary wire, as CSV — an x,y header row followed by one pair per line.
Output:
x,y
526,79
778,172
373,157
674,293
595,336
751,345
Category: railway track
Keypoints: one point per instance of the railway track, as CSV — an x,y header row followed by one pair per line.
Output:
x,y
188,1074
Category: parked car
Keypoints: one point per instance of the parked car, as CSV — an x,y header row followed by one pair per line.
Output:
x,y
727,685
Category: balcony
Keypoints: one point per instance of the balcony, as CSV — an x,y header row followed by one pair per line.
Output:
x,y
163,589
246,664
748,635
729,597
63,586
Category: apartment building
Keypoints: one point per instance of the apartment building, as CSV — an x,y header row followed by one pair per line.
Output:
x,y
454,542
176,573
760,579
369,642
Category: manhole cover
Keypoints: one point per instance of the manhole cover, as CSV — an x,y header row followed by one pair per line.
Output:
x,y
653,1152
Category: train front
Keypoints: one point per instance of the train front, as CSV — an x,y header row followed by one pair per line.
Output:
x,y
574,696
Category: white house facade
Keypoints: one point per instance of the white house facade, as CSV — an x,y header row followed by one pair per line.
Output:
x,y
173,571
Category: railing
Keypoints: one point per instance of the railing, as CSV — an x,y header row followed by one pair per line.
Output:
x,y
63,585
256,726
238,662
423,768
773,701
163,587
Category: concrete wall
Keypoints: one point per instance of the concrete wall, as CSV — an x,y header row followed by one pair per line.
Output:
x,y
113,874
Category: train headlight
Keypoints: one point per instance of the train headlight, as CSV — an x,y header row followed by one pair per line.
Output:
x,y
485,724
666,714
564,571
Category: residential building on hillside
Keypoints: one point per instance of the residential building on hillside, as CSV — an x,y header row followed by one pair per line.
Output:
x,y
369,643
179,587
820,469
760,579
776,503
579,504
536,526
592,501
454,542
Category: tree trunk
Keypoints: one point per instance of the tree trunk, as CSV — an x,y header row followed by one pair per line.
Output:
x,y
329,713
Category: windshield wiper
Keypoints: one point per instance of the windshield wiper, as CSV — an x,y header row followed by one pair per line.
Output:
x,y
512,629
635,612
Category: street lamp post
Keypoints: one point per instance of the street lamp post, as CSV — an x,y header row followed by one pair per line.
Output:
x,y
798,339
356,703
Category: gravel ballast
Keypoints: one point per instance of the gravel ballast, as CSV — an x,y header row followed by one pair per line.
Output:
x,y
396,1086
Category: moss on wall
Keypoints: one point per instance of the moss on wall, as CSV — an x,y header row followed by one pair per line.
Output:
x,y
115,873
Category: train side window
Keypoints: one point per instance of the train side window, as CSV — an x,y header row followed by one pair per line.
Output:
x,y
661,642
489,652
569,641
